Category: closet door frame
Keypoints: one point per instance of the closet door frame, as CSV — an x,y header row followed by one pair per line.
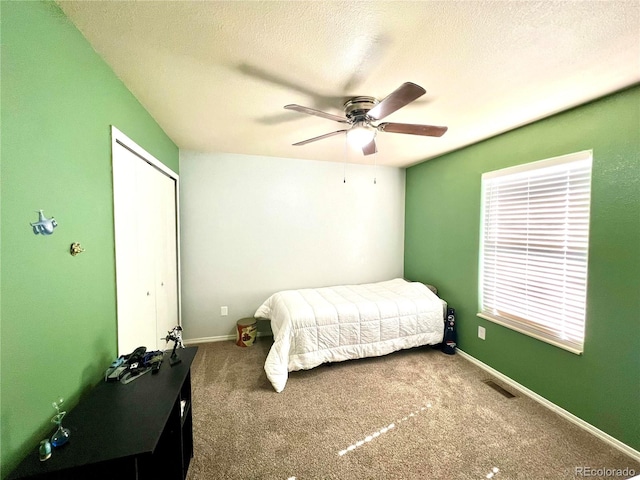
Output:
x,y
119,138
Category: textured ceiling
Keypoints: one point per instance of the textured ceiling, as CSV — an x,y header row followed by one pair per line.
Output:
x,y
216,75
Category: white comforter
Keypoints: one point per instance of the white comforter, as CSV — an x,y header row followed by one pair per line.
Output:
x,y
332,324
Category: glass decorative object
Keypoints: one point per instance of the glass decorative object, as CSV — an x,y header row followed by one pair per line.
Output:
x,y
45,450
61,435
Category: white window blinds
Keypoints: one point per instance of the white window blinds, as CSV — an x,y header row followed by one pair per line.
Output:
x,y
535,238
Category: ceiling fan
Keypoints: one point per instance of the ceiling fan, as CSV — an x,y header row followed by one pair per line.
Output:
x,y
361,112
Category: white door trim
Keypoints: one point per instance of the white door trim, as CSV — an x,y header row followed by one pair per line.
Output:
x,y
118,137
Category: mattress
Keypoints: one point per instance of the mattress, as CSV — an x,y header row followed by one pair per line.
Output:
x,y
333,324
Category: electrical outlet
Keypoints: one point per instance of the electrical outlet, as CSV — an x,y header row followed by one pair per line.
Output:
x,y
481,332
224,311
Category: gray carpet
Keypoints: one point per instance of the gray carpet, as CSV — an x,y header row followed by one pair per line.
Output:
x,y
413,414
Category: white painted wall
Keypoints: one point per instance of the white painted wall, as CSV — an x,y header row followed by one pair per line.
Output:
x,y
253,225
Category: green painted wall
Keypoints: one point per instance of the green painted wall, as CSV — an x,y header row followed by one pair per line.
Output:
x,y
58,330
442,228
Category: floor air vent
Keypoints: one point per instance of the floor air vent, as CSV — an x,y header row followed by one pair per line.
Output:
x,y
499,389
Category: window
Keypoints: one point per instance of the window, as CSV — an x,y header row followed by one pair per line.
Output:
x,y
534,246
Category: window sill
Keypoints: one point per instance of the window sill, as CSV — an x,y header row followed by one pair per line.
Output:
x,y
520,329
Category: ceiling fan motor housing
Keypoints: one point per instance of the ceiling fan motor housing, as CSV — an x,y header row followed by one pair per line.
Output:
x,y
360,112
355,109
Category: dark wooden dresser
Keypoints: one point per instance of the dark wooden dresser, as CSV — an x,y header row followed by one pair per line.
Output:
x,y
141,430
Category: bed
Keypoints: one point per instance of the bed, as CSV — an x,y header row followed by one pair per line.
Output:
x,y
333,324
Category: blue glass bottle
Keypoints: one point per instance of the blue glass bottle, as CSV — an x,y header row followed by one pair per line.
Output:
x,y
61,435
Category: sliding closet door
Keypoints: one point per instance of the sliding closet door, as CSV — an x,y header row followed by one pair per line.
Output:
x,y
145,214
166,257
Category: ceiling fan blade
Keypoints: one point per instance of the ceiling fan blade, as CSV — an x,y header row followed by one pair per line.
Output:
x,y
370,147
317,113
425,130
403,95
326,135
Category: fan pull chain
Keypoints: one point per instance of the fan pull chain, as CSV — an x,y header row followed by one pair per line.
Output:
x,y
375,167
344,165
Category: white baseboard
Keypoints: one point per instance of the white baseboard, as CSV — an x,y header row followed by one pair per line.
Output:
x,y
220,338
196,341
635,454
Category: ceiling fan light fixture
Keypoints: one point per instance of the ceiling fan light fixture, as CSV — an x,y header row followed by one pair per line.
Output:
x,y
360,135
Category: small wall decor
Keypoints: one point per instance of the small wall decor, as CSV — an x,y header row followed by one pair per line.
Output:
x,y
44,225
75,249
